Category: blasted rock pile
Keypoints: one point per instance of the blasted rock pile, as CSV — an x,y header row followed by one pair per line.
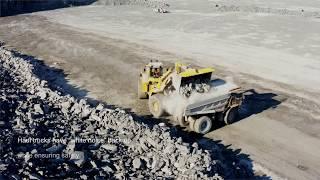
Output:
x,y
44,134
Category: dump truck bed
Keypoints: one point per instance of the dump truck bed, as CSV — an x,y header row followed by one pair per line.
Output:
x,y
211,102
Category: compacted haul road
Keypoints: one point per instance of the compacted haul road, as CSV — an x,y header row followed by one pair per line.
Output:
x,y
101,50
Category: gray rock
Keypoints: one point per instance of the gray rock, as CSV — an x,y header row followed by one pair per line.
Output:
x,y
107,169
106,157
94,165
83,176
180,163
20,155
38,109
76,128
137,163
169,149
76,109
95,117
110,147
34,151
54,148
155,162
83,102
101,131
78,157
166,170
34,176
27,157
100,107
42,94
86,112
65,105
15,177
90,128
3,166
195,145
152,142
183,149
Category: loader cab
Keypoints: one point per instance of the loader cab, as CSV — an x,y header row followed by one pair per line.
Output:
x,y
156,72
154,69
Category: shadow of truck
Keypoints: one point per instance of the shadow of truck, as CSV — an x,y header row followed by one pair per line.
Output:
x,y
255,103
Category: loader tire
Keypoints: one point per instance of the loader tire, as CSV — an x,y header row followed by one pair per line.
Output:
x,y
231,115
141,95
156,107
202,125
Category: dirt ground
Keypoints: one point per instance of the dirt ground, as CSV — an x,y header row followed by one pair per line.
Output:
x,y
275,57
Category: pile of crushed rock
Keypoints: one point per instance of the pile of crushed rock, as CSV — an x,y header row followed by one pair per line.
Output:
x,y
45,134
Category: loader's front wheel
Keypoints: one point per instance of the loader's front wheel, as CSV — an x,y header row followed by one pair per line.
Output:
x,y
202,125
156,105
231,115
141,94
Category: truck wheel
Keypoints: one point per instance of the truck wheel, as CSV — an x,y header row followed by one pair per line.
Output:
x,y
231,115
141,94
156,105
202,125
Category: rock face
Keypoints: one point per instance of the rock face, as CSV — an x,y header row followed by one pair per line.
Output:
x,y
44,134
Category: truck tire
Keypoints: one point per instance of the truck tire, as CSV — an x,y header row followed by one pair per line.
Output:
x,y
231,115
141,95
155,104
202,125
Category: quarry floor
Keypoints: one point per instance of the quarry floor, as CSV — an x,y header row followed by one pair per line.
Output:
x,y
102,49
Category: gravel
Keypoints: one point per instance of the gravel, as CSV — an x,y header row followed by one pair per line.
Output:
x,y
45,134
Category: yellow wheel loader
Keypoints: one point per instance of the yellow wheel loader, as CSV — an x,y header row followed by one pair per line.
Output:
x,y
189,94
